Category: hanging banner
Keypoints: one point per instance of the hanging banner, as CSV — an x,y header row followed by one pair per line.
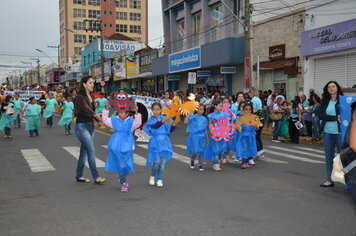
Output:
x,y
119,69
216,17
131,68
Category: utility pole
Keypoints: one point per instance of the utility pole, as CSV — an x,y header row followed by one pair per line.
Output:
x,y
58,53
38,70
248,44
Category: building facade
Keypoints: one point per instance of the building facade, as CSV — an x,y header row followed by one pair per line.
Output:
x,y
204,42
129,17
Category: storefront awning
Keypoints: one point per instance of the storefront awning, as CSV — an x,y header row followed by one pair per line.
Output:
x,y
289,65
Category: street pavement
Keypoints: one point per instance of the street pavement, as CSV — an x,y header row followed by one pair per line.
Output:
x,y
278,196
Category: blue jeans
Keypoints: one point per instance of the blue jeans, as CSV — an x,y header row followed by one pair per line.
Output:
x,y
277,125
316,124
158,169
330,141
122,179
67,127
50,121
7,131
85,133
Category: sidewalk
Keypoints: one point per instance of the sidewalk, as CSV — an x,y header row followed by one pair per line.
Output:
x,y
301,139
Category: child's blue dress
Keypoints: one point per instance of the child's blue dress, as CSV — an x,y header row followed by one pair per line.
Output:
x,y
159,145
196,141
246,146
121,147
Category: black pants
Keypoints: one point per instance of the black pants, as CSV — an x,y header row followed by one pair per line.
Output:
x,y
309,125
258,137
293,131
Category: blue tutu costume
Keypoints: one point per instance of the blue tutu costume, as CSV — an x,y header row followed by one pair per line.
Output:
x,y
120,148
246,146
216,148
231,144
196,141
159,145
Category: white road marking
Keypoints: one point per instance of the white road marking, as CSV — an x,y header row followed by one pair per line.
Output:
x,y
312,150
271,160
36,160
75,151
181,146
286,155
298,152
138,159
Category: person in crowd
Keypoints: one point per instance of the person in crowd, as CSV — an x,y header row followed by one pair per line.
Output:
x,y
303,100
329,114
121,144
159,147
7,117
284,129
198,137
257,109
166,101
50,109
240,97
33,115
294,120
101,103
67,114
316,120
270,104
84,129
18,105
277,117
308,118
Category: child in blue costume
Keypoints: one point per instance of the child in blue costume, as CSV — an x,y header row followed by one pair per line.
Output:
x,y
198,137
121,144
48,112
231,143
216,149
246,147
8,116
67,115
159,147
33,117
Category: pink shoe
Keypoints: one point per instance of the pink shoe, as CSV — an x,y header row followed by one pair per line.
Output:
x,y
244,166
124,187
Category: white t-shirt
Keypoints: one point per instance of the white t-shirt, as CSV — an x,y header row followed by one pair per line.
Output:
x,y
166,104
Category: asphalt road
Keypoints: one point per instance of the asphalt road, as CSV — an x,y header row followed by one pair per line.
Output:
x,y
278,196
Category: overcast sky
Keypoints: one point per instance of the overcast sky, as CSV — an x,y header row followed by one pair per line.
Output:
x,y
30,24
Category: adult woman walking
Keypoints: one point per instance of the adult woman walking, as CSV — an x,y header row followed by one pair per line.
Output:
x,y
329,114
84,129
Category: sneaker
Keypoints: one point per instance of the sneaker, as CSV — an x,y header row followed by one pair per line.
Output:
x,y
244,166
124,187
261,153
251,162
216,167
275,141
159,183
200,168
151,181
191,164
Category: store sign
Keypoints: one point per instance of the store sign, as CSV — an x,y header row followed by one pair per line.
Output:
x,y
215,80
277,52
184,60
173,77
329,38
192,78
228,70
119,45
203,73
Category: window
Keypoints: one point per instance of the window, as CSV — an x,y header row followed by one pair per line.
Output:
x,y
95,26
79,2
196,28
121,4
77,51
135,29
216,19
79,12
93,14
78,25
78,38
94,2
180,34
135,4
135,16
121,28
121,15
92,37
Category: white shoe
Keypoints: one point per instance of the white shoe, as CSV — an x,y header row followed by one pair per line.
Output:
x,y
216,167
261,153
152,181
276,141
159,183
251,162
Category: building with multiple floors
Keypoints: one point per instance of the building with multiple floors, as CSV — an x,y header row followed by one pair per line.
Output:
x,y
128,17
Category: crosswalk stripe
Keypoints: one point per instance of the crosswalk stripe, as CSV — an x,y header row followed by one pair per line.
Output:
x,y
271,160
36,160
312,150
297,152
286,155
75,151
138,159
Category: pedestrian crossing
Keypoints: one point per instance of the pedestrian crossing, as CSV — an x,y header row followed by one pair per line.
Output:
x,y
37,162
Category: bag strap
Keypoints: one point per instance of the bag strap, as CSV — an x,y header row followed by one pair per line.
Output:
x,y
349,167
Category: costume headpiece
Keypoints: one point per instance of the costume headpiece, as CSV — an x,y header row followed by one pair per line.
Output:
x,y
122,102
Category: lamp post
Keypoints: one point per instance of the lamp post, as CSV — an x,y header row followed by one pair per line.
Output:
x,y
38,69
27,63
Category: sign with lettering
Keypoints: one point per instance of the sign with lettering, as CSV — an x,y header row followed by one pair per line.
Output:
x,y
329,38
120,45
184,60
277,52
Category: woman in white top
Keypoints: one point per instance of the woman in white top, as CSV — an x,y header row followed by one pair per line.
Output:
x,y
166,101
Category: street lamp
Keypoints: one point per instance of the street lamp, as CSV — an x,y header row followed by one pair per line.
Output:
x,y
38,69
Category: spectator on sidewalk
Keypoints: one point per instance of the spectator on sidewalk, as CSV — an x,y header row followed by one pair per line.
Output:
x,y
316,120
295,118
276,116
308,119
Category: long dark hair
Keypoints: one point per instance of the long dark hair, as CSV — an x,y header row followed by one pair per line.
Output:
x,y
84,80
215,103
294,104
326,95
7,98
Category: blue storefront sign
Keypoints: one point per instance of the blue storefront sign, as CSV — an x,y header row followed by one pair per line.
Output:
x,y
173,77
203,73
184,60
228,70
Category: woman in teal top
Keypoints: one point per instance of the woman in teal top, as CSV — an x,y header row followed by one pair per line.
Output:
x,y
7,118
67,115
48,113
33,117
101,104
18,105
329,114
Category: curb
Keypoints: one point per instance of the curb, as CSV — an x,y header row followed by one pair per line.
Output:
x,y
301,139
